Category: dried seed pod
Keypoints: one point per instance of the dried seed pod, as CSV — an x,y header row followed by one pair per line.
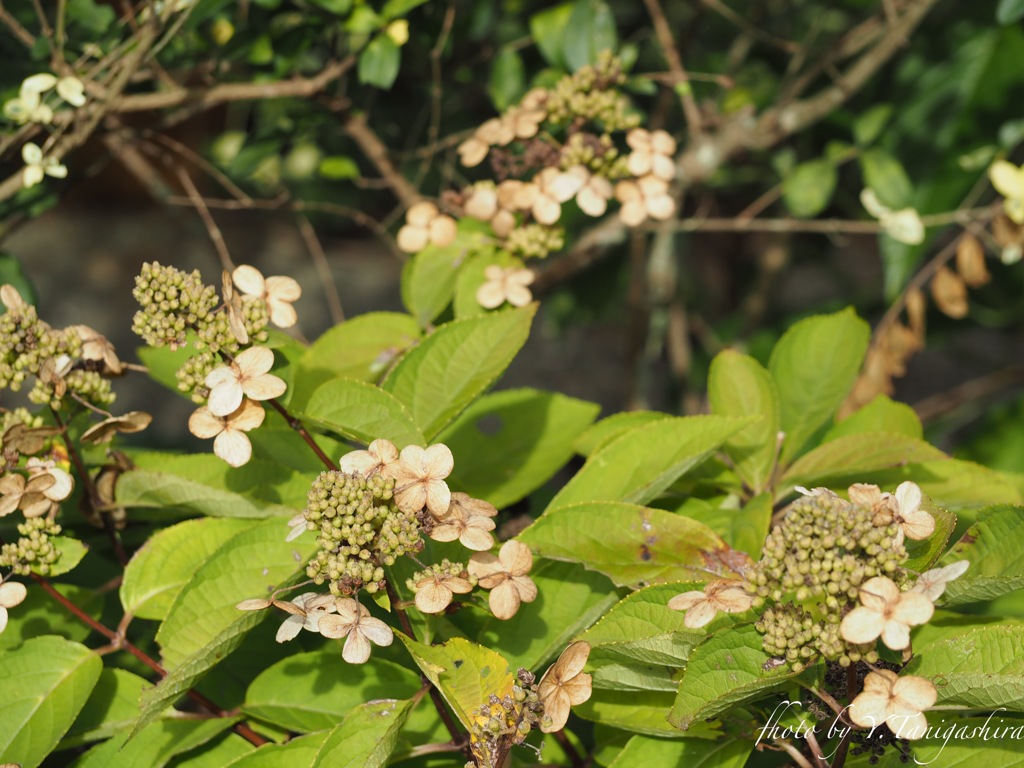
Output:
x,y
970,261
950,293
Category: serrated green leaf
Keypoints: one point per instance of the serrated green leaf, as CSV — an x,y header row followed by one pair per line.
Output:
x,y
313,691
980,668
571,599
858,453
590,30
299,751
642,628
204,484
379,62
693,753
738,385
614,675
547,28
361,411
880,415
645,713
611,427
885,175
648,545
113,706
814,365
366,737
218,752
745,528
168,560
71,553
203,625
360,348
507,444
455,365
643,462
808,188
728,668
995,548
46,682
429,277
922,554
155,745
465,673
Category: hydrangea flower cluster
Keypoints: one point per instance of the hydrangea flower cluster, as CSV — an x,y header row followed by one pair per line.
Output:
x,y
577,142
379,505
178,309
830,583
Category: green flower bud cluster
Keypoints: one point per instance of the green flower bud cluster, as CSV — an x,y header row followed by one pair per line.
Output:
x,y
88,385
33,548
535,241
192,375
172,302
20,416
506,720
445,568
26,342
592,93
598,153
811,569
359,530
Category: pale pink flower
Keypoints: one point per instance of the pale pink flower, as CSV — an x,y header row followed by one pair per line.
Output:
x,y
426,225
419,479
246,376
279,292
472,531
565,685
353,622
11,594
885,611
506,577
725,595
505,284
898,702
644,198
228,432
380,456
434,592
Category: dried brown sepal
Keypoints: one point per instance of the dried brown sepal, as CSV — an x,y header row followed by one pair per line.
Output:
x,y
26,440
103,432
917,309
950,293
970,261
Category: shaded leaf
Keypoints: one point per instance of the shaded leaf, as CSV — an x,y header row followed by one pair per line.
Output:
x,y
858,453
995,548
366,737
808,188
693,753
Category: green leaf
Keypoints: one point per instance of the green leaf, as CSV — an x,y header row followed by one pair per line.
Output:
x,y
46,682
814,365
745,528
957,742
1009,11
313,691
979,669
923,554
155,745
221,750
508,78
643,462
379,62
808,188
880,415
162,364
393,9
995,548
738,385
93,17
360,348
885,175
455,365
199,483
168,560
38,615
590,30
648,545
361,411
726,669
642,628
339,7
113,706
645,713
571,599
611,427
869,125
630,676
471,276
71,553
338,168
429,277
858,454
465,673
693,753
11,273
507,444
203,624
366,737
299,751
547,28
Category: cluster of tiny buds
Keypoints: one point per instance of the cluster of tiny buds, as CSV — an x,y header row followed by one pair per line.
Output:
x,y
507,720
33,550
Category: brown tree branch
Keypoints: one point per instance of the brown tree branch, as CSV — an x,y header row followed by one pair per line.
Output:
x,y
376,152
675,65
